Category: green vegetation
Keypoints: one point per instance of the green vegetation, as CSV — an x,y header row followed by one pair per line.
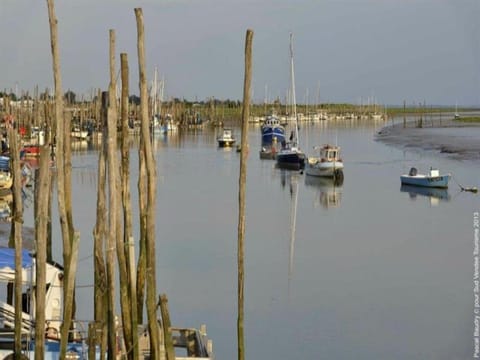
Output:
x,y
469,119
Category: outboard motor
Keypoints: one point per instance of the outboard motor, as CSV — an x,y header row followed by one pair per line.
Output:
x,y
413,171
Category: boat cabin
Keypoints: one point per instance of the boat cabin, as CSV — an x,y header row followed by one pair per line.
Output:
x,y
54,294
330,153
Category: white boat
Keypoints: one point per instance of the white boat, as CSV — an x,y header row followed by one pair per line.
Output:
x,y
226,139
433,179
77,133
290,155
327,163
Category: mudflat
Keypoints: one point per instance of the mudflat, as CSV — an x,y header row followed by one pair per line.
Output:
x,y
456,139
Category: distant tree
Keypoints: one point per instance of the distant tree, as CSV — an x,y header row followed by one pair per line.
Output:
x,y
70,97
134,99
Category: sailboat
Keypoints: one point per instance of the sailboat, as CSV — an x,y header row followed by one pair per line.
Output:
x,y
290,156
155,123
457,115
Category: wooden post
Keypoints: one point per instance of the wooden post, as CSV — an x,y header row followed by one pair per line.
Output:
x,y
151,194
128,246
241,193
42,201
112,213
63,160
99,235
167,332
17,221
92,339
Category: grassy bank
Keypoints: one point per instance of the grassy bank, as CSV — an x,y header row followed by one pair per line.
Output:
x,y
469,119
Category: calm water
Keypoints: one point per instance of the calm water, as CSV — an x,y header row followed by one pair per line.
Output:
x,y
359,271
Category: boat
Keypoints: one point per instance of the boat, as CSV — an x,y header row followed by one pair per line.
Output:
x,y
327,164
290,155
76,349
6,178
457,115
226,139
168,124
79,134
432,180
30,150
272,131
268,152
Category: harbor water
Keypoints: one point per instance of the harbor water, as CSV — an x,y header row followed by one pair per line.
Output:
x,y
361,270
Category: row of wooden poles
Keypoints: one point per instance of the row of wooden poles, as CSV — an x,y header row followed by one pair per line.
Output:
x,y
113,243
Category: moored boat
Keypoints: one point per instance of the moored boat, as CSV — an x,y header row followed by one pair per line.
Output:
x,y
272,131
327,163
433,179
226,139
290,155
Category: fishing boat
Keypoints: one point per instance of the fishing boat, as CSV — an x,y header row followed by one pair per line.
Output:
x,y
76,349
226,139
327,163
79,134
433,179
272,131
290,155
6,179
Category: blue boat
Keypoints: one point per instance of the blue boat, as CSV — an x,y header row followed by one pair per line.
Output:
x,y
433,180
291,157
272,130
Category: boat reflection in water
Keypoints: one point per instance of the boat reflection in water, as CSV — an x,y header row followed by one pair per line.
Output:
x,y
328,193
435,195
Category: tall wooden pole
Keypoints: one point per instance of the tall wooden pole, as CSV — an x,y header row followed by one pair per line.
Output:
x,y
132,347
151,194
241,193
17,221
63,154
42,201
112,196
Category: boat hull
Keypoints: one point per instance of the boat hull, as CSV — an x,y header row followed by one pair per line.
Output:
x,y
291,160
272,134
316,167
440,181
226,143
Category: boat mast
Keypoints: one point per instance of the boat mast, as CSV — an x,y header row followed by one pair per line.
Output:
x,y
294,101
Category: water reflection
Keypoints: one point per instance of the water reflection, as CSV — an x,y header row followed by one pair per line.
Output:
x,y
433,194
328,192
292,179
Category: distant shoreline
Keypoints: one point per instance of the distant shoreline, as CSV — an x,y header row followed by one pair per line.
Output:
x,y
451,138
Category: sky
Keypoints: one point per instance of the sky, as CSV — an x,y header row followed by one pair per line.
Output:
x,y
345,51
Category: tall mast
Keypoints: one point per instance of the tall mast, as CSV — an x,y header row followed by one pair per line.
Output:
x,y
294,101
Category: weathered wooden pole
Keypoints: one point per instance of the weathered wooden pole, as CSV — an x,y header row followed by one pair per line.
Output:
x,y
115,202
99,235
63,161
151,194
112,197
17,221
241,192
167,331
42,201
131,344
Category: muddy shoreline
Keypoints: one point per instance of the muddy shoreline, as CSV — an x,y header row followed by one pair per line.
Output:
x,y
454,139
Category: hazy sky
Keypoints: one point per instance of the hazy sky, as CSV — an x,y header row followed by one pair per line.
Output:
x,y
345,50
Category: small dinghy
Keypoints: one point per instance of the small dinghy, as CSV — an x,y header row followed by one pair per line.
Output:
x,y
433,179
